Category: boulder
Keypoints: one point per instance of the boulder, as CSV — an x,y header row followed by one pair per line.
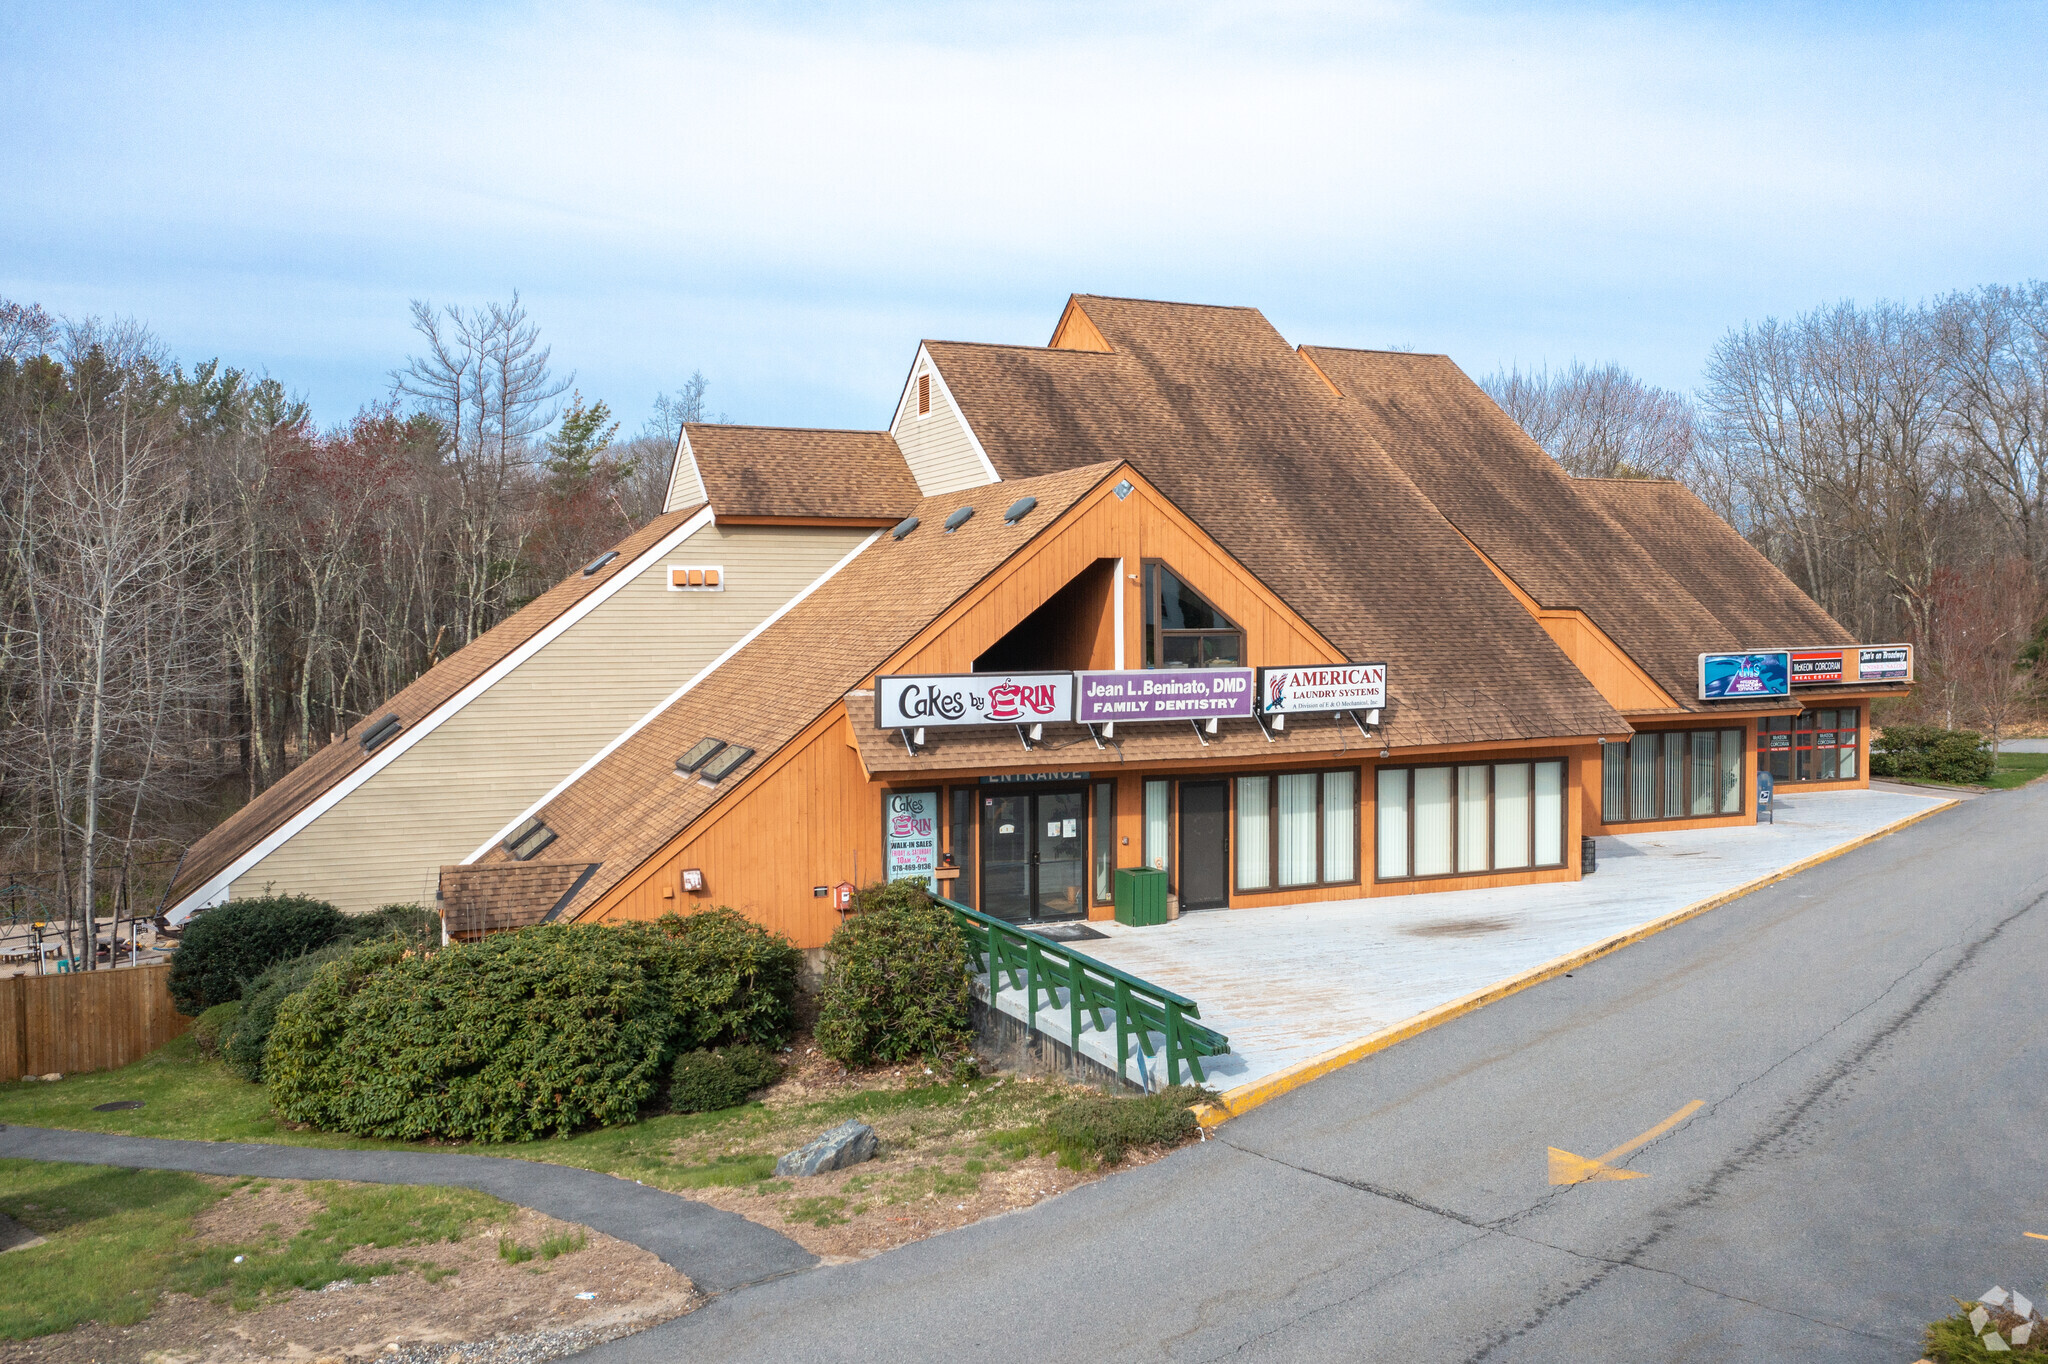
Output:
x,y
850,1143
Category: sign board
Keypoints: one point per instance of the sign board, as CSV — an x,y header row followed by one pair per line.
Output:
x,y
973,699
1164,694
1811,667
1322,687
1731,677
1885,663
910,836
1764,791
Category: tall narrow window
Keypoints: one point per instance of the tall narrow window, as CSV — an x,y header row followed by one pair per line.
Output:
x,y
1731,771
1105,841
1472,829
1340,826
1510,816
1391,824
1613,783
1432,821
1549,821
1642,776
1158,824
1296,807
1706,775
1674,775
1254,835
924,394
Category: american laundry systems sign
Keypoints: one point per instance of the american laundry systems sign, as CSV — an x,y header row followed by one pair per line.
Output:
x,y
1726,677
973,699
1164,694
1322,687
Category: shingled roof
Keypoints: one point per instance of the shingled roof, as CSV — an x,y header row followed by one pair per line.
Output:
x,y
790,471
432,690
1218,411
631,802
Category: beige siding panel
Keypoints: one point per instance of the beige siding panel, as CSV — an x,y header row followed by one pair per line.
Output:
x,y
938,446
685,483
387,840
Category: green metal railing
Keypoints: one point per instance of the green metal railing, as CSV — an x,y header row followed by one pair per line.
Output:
x,y
1046,970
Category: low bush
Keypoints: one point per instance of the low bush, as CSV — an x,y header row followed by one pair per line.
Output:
x,y
1930,753
521,1035
895,980
226,947
211,1030
706,1081
1092,1127
415,924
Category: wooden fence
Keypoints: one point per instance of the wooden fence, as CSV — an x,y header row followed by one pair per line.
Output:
x,y
93,1020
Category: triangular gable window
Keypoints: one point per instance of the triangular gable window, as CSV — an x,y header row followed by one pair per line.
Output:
x,y
1182,630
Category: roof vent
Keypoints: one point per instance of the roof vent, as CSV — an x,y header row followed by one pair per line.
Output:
x,y
721,766
599,562
903,528
958,519
379,732
1019,509
698,756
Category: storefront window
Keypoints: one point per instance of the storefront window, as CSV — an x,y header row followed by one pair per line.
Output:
x,y
1105,841
1818,745
1158,824
1672,774
1297,829
1505,816
962,844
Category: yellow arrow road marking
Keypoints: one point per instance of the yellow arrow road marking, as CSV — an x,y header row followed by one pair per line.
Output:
x,y
1566,1168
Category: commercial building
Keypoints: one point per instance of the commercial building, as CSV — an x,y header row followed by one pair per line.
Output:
x,y
1287,624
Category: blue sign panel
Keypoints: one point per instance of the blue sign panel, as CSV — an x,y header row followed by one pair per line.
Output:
x,y
1732,677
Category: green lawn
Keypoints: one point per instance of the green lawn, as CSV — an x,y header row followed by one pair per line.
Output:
x,y
117,1239
2017,769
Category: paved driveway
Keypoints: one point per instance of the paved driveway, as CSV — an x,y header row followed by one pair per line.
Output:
x,y
1866,1042
1288,982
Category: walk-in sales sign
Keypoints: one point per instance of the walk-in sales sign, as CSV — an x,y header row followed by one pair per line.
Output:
x,y
1322,687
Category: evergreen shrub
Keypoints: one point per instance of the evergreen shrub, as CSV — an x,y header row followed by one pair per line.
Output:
x,y
1930,753
226,947
213,1027
521,1035
706,1081
895,980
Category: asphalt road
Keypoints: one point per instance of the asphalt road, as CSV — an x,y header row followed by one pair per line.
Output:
x,y
1869,1044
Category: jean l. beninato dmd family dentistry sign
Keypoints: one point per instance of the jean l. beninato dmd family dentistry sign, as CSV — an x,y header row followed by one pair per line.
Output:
x,y
1164,694
973,699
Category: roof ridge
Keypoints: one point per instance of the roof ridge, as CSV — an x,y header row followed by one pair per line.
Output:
x,y
1379,350
1170,302
796,430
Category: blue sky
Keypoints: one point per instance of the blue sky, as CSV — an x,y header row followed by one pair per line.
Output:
x,y
789,196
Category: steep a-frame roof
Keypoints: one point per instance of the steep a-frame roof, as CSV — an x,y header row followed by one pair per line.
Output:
x,y
434,689
1219,412
777,471
631,802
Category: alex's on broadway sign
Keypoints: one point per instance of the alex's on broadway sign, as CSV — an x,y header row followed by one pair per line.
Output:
x,y
973,699
1322,687
1164,694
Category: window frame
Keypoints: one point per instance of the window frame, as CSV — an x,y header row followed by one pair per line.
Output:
x,y
1153,634
1490,842
1804,726
1660,768
1104,828
1273,776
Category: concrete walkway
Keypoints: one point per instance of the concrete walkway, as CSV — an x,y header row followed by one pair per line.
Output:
x,y
717,1250
1290,982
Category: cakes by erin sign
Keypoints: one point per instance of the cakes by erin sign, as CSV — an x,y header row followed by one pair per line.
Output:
x,y
910,837
973,699
1164,694
1322,687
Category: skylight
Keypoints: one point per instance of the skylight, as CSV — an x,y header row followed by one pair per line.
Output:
x,y
379,732
599,562
721,766
528,839
698,755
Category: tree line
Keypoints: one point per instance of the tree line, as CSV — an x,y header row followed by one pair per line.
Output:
x,y
200,587
1892,459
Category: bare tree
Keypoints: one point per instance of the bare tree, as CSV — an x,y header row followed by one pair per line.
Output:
x,y
1599,421
1994,355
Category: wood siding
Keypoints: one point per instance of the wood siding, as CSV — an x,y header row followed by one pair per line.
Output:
x,y
937,446
91,1020
387,840
1613,673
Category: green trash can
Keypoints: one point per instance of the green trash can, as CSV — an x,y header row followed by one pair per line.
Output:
x,y
1140,896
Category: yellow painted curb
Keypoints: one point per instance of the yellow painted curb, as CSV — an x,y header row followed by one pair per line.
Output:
x,y
1234,1103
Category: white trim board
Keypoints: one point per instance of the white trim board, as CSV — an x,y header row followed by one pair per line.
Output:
x,y
904,404
215,888
680,692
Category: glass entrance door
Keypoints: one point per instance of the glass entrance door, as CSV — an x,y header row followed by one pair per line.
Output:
x,y
1034,854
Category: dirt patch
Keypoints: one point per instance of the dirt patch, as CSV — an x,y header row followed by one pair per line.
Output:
x,y
1459,928
481,1306
254,1213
